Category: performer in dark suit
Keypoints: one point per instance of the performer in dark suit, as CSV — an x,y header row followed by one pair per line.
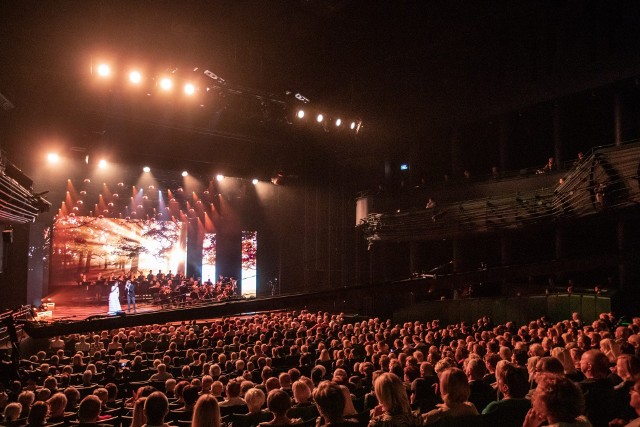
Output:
x,y
130,289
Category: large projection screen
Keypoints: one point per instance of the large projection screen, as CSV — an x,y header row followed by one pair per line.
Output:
x,y
209,257
84,247
249,263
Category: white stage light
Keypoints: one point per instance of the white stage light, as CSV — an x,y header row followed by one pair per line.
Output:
x,y
189,89
220,178
104,70
135,77
166,83
320,118
185,173
102,164
254,181
300,114
146,169
353,125
53,157
338,122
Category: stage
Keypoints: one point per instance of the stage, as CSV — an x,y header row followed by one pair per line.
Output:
x,y
79,312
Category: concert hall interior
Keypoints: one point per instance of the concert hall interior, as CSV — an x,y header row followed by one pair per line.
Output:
x,y
168,161
296,137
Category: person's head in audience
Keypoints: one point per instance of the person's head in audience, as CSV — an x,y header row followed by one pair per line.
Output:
x,y
156,407
454,387
475,369
349,409
89,410
272,384
391,394
206,412
294,374
102,394
233,389
12,411
170,385
594,364
548,365
635,397
301,392
38,414
217,388
255,400
178,390
317,374
43,394
279,402
330,402
138,418
215,371
557,400
73,397
26,399
285,380
513,381
87,376
628,367
51,383
190,396
57,405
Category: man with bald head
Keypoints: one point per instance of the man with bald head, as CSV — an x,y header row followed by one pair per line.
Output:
x,y
598,390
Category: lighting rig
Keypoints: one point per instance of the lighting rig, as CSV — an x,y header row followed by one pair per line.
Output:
x,y
205,88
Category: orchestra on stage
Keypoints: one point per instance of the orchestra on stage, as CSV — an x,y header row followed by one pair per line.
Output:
x,y
164,289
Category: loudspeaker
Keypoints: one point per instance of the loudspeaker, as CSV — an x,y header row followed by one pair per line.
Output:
x,y
7,236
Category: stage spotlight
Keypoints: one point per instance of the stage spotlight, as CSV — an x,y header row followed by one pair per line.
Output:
x,y
338,122
353,125
135,77
53,157
300,114
189,89
166,83
219,177
102,164
254,181
320,118
146,169
104,70
185,173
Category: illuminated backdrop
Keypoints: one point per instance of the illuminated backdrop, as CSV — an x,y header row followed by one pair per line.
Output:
x,y
89,245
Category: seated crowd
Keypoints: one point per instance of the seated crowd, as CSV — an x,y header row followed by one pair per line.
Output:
x,y
308,369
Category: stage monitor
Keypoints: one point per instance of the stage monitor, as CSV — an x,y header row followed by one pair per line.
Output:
x,y
84,247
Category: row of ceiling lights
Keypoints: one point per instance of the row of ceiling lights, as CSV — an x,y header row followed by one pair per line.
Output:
x,y
189,88
54,158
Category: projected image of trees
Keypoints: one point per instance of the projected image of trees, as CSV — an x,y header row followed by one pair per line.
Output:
x,y
89,246
209,257
249,263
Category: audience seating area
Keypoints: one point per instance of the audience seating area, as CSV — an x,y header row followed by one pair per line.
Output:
x,y
308,369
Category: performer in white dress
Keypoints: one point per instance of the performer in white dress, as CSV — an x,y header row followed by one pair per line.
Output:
x,y
114,298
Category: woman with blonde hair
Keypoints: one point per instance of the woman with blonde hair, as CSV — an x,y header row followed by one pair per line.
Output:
x,y
564,356
610,348
394,408
206,413
349,410
455,392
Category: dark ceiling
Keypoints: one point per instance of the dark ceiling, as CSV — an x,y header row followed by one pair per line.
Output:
x,y
404,67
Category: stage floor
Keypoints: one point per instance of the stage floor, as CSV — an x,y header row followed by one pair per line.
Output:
x,y
82,311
